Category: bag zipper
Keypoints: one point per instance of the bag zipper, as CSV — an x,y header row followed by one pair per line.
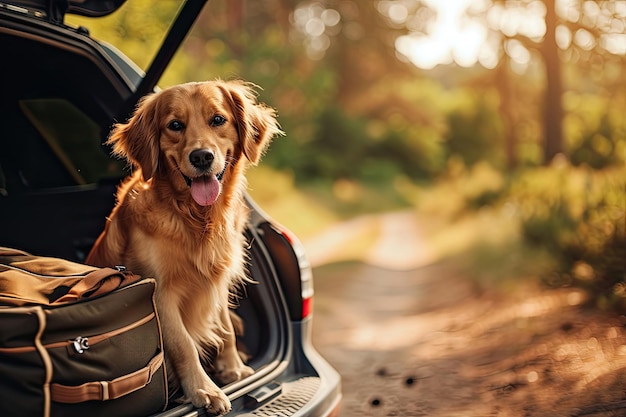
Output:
x,y
80,344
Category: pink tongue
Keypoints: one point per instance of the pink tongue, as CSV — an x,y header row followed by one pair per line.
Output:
x,y
205,190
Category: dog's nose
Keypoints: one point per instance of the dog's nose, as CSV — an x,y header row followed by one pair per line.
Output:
x,y
201,158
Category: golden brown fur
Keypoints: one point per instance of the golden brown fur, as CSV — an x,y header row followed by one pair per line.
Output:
x,y
189,237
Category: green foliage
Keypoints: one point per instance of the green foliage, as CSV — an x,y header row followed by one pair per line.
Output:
x,y
467,189
344,147
137,28
595,129
578,215
475,130
415,150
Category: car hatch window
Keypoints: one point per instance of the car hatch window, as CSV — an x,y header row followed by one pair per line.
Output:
x,y
69,137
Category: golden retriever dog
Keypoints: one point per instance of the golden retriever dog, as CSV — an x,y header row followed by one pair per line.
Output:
x,y
180,218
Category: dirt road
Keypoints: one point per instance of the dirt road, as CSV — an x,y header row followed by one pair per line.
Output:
x,y
412,336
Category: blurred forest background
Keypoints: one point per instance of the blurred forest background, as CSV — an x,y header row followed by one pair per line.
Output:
x,y
502,124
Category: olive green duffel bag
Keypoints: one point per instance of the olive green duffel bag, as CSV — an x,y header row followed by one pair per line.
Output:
x,y
77,340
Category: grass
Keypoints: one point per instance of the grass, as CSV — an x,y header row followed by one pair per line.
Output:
x,y
487,245
485,241
300,211
307,210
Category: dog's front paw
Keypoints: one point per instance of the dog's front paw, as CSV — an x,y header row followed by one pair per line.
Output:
x,y
226,376
215,401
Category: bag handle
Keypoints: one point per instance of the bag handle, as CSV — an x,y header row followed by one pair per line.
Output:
x,y
99,282
107,390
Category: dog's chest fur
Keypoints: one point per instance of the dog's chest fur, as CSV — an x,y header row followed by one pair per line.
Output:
x,y
212,237
209,265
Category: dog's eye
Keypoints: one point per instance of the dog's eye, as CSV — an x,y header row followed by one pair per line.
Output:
x,y
176,126
217,120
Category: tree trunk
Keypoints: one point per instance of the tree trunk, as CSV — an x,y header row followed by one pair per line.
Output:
x,y
505,90
235,19
553,111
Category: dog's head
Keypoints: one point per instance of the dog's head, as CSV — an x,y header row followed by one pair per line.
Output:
x,y
195,135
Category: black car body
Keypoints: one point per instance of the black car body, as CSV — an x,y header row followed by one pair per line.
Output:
x,y
61,92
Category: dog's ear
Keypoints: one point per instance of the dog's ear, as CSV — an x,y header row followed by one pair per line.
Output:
x,y
138,139
256,123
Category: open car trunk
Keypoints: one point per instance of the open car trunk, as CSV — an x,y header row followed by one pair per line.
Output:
x,y
61,93
57,182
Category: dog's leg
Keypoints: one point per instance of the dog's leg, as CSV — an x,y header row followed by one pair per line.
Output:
x,y
181,351
228,366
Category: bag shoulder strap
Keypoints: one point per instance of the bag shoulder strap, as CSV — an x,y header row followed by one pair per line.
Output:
x,y
98,282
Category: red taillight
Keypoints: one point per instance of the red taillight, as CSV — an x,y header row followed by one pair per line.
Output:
x,y
306,273
293,269
307,307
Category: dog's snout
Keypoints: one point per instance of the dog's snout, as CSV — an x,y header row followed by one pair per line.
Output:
x,y
201,158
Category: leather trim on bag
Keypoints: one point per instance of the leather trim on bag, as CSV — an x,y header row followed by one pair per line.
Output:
x,y
107,390
45,358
